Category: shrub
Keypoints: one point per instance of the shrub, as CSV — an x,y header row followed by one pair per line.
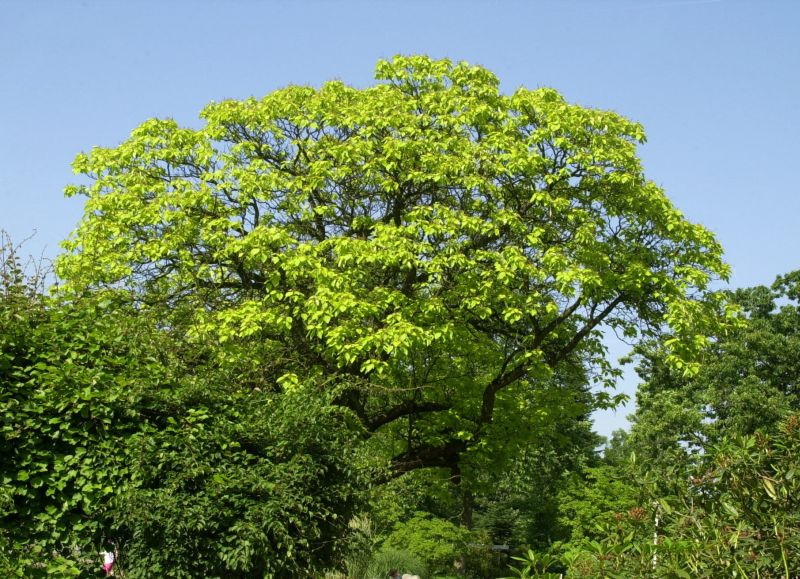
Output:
x,y
388,558
436,541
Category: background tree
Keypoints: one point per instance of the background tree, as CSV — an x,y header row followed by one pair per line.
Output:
x,y
715,461
749,379
731,511
519,504
515,501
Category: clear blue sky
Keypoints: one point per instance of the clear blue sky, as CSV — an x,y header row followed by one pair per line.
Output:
x,y
716,84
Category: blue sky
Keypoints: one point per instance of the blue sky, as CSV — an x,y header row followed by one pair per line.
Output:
x,y
715,83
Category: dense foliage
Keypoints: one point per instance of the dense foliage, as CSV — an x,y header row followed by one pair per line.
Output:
x,y
714,478
340,331
733,512
66,385
750,377
115,436
428,249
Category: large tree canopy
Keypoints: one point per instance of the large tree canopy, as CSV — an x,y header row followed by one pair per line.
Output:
x,y
427,252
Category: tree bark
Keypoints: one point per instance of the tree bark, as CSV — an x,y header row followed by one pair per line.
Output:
x,y
467,498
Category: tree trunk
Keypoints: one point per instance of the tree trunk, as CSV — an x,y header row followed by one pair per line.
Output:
x,y
467,499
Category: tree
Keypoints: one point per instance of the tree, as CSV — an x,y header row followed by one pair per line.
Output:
x,y
717,457
730,512
750,378
519,504
427,253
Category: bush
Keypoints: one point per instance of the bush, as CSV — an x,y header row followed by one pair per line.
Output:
x,y
113,432
436,541
734,512
403,561
247,485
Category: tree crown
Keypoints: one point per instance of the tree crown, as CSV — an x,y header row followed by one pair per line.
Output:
x,y
427,240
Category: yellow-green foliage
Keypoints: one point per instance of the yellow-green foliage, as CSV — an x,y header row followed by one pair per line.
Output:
x,y
429,248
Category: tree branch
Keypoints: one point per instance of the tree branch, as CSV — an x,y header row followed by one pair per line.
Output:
x,y
490,393
405,409
590,325
428,456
